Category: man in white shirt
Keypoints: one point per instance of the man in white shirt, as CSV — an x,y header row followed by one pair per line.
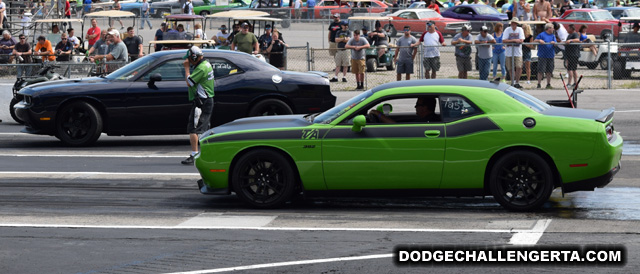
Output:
x,y
187,8
431,41
513,38
561,36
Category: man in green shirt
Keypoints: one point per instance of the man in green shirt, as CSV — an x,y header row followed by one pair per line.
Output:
x,y
245,41
200,84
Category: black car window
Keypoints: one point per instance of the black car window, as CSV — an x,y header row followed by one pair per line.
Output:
x,y
222,67
454,107
171,71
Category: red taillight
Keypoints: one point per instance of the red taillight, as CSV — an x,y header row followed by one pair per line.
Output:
x,y
609,130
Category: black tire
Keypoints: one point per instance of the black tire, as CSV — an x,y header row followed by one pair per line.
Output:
x,y
204,13
618,70
604,62
391,30
391,66
263,179
286,23
371,65
78,124
270,107
521,181
592,65
12,110
605,33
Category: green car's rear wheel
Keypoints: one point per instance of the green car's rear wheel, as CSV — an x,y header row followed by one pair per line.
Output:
x,y
263,179
521,181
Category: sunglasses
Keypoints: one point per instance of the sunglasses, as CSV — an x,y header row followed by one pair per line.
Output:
x,y
22,38
63,38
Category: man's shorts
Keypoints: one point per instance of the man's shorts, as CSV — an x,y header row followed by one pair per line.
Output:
x,y
431,63
357,66
205,118
464,64
332,48
516,59
405,66
572,62
545,65
342,58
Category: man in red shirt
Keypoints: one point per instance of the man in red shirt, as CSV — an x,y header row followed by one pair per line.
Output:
x,y
433,6
67,13
93,34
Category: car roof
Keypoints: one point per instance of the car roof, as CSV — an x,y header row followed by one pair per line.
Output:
x,y
620,8
182,51
442,82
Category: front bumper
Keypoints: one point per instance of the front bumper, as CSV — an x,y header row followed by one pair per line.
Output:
x,y
591,184
204,189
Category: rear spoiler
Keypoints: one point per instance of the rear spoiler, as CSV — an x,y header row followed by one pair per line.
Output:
x,y
606,115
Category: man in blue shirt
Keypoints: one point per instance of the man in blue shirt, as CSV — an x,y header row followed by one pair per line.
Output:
x,y
311,13
87,7
546,53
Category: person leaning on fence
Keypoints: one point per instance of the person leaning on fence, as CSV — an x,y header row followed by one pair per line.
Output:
x,y
200,84
245,41
526,50
334,27
23,52
101,46
405,54
379,39
484,51
43,50
144,14
513,37
276,50
134,44
297,7
63,49
561,36
73,39
546,53
117,52
462,40
311,13
7,44
431,40
358,45
572,51
342,57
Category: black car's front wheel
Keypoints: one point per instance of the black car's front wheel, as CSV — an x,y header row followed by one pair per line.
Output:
x,y
263,179
521,181
12,110
270,107
78,124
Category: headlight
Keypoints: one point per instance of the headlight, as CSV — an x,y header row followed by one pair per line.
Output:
x,y
27,100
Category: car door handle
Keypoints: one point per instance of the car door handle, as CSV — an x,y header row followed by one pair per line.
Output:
x,y
432,133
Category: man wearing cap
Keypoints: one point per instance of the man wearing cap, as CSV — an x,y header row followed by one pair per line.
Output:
x,y
405,54
117,51
379,39
342,57
546,53
634,36
513,38
333,28
200,83
245,41
485,53
44,49
431,41
93,34
222,38
265,39
462,41
23,52
358,45
160,35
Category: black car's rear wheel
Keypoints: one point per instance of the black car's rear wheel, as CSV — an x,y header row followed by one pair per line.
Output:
x,y
263,179
78,124
12,110
521,181
270,107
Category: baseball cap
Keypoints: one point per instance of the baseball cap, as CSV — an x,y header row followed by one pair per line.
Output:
x,y
365,28
27,14
193,50
514,20
465,27
114,32
245,24
222,27
344,23
484,28
336,15
430,23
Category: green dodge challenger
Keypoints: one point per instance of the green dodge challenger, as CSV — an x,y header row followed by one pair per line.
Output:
x,y
421,138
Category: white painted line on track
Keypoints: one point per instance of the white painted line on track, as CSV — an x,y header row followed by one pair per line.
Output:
x,y
39,154
303,262
96,175
634,110
532,236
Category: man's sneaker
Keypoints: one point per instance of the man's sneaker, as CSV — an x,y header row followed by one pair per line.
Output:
x,y
517,85
188,161
569,86
538,86
334,79
343,80
528,82
359,87
548,86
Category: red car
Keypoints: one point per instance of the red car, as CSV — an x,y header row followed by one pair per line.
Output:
x,y
325,8
417,19
599,22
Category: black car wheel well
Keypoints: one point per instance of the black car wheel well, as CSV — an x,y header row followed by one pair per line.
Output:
x,y
100,107
281,98
557,181
299,186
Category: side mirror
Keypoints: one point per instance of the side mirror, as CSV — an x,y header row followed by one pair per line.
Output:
x,y
470,13
358,123
156,77
385,108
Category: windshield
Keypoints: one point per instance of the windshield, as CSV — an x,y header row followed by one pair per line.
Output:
x,y
526,99
335,112
486,10
416,5
602,15
132,69
633,13
429,14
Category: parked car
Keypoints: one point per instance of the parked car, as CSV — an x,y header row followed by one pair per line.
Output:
x,y
135,6
275,9
148,97
618,12
325,8
417,19
601,22
161,7
484,139
476,14
214,7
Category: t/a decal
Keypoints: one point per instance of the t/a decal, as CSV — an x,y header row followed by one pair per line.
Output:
x,y
309,134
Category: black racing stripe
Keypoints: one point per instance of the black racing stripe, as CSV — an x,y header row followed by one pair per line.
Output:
x,y
383,132
271,135
470,127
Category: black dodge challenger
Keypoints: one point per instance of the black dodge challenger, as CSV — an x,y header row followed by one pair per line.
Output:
x,y
149,97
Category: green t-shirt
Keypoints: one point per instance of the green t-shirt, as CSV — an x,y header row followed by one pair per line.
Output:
x,y
201,81
245,42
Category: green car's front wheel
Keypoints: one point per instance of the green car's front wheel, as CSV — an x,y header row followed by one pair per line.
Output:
x,y
263,179
521,181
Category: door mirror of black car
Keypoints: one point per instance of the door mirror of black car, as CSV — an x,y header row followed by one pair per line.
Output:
x,y
358,123
156,77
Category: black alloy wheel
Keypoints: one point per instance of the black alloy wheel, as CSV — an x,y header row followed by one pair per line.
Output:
x,y
12,110
78,124
263,179
521,181
270,107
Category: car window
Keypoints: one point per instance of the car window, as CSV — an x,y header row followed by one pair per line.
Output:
x,y
454,107
222,67
429,14
405,110
601,15
171,71
408,15
572,16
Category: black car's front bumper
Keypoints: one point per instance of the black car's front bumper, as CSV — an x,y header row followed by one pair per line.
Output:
x,y
591,184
